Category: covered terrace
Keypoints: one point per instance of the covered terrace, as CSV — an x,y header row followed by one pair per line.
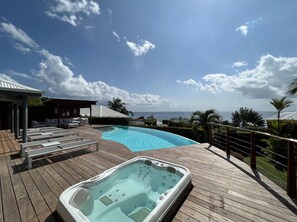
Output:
x,y
14,106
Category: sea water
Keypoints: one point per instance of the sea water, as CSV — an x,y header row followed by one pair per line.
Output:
x,y
169,115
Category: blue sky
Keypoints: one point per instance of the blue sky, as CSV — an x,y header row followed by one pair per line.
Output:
x,y
168,55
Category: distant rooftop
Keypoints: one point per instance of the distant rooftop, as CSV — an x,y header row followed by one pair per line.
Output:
x,y
284,116
102,111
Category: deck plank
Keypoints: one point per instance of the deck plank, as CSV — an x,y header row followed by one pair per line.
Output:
x,y
5,147
65,174
57,177
224,190
1,148
37,198
1,203
25,207
213,216
9,204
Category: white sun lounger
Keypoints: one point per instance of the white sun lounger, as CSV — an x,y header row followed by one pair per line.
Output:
x,y
40,132
43,143
30,154
50,135
41,128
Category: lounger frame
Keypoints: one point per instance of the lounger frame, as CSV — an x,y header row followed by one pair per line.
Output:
x,y
39,143
30,154
50,135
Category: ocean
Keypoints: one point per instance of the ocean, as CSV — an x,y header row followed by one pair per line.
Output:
x,y
170,115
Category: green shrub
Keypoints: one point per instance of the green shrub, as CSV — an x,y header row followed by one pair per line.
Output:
x,y
288,127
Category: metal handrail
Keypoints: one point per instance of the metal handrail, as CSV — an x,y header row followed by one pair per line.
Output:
x,y
232,142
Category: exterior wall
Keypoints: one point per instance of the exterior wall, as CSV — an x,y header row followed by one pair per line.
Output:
x,y
40,113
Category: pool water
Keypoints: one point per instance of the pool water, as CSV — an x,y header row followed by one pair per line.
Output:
x,y
140,139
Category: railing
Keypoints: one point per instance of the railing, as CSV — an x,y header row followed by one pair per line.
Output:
x,y
271,155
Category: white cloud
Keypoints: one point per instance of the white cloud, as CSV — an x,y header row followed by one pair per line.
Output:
x,y
109,11
253,22
72,11
189,82
89,27
239,64
116,36
18,35
23,75
140,49
7,78
199,86
22,48
270,78
71,19
243,29
62,82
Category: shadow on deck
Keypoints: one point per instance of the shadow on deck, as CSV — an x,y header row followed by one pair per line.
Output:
x,y
224,189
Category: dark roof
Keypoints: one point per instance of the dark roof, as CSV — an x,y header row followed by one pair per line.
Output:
x,y
70,102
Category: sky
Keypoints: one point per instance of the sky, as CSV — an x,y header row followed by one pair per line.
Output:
x,y
169,55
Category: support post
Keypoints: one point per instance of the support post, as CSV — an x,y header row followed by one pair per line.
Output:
x,y
12,119
29,163
59,115
291,172
16,120
253,152
209,135
228,143
25,118
90,120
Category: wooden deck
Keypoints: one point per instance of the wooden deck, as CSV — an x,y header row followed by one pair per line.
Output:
x,y
223,190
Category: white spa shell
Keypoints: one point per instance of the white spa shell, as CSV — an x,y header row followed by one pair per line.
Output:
x,y
68,212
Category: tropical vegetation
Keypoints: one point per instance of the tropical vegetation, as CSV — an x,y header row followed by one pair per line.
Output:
x,y
279,105
150,120
116,104
293,87
179,122
37,101
247,117
200,120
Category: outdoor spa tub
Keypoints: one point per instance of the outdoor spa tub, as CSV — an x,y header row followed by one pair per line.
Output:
x,y
139,190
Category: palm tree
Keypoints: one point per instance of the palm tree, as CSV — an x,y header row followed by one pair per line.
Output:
x,y
127,112
180,122
117,105
279,105
293,87
200,119
246,116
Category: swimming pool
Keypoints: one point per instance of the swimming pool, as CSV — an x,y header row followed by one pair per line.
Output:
x,y
140,139
143,189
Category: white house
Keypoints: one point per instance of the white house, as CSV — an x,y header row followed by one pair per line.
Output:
x,y
102,111
284,116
